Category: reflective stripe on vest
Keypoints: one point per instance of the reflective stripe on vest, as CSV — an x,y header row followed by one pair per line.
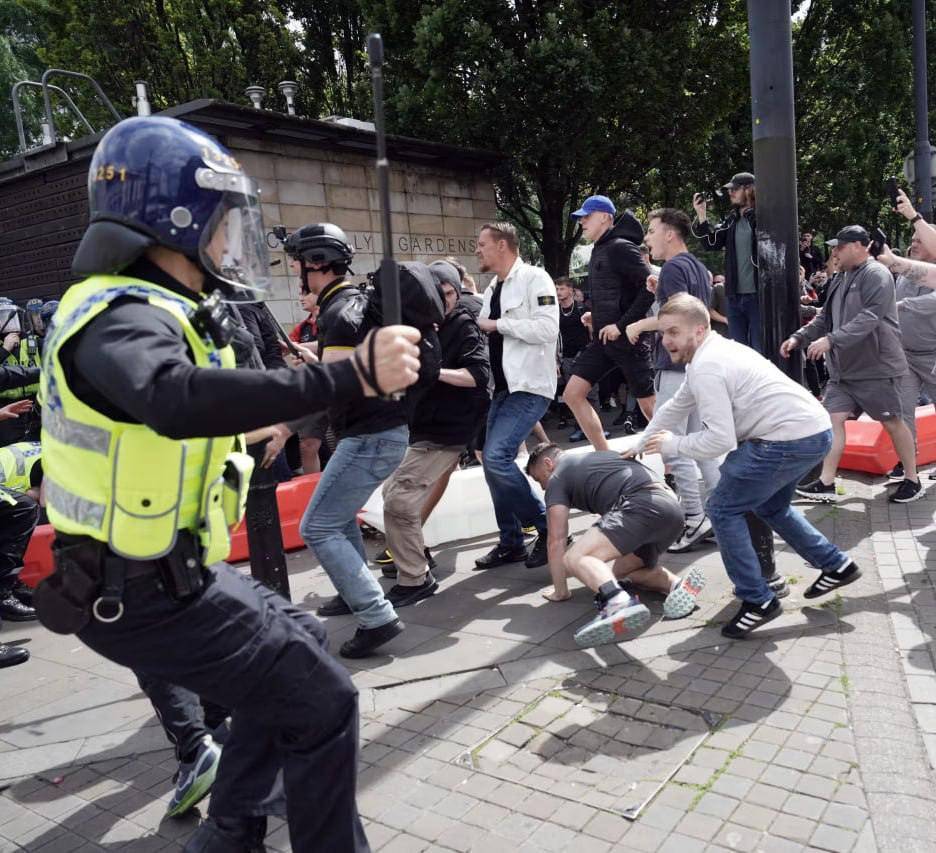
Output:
x,y
16,464
123,483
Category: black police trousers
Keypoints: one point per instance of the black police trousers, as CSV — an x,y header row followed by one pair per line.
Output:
x,y
17,523
185,718
293,745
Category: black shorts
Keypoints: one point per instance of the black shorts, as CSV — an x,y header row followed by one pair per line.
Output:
x,y
312,426
645,523
634,362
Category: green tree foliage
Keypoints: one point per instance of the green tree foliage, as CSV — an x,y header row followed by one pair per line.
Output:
x,y
19,40
854,105
645,102
583,96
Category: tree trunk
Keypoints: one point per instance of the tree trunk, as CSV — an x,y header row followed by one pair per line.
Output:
x,y
556,255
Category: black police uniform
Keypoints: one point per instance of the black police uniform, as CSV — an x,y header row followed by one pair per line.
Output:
x,y
294,731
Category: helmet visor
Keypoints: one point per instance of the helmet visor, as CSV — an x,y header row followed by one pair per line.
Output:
x,y
34,320
233,246
9,319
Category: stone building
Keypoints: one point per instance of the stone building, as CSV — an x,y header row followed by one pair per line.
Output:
x,y
308,171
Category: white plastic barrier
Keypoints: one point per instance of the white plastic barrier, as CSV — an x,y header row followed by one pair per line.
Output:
x,y
466,511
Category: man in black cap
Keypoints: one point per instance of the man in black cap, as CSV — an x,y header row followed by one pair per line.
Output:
x,y
737,235
859,334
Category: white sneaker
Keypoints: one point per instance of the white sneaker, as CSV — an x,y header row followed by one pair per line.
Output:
x,y
620,617
683,597
695,531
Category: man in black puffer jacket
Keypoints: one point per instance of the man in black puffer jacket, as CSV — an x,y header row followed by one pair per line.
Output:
x,y
443,422
617,278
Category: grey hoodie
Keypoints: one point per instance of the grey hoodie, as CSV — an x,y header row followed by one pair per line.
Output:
x,y
860,320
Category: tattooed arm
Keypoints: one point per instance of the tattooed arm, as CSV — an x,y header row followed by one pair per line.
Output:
x,y
919,272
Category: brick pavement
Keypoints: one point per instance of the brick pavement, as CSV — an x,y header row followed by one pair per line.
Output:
x,y
487,729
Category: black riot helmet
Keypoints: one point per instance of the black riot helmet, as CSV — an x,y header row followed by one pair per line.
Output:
x,y
321,244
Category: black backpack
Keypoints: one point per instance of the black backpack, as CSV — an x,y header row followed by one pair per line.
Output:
x,y
421,302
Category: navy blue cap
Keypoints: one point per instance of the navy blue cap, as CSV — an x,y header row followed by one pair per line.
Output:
x,y
593,204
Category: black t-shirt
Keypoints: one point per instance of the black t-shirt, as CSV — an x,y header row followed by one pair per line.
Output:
x,y
595,482
684,273
572,333
496,343
341,326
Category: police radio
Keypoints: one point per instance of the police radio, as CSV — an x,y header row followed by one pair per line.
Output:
x,y
213,319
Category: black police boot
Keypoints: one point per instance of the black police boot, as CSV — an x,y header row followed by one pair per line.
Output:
x,y
12,609
12,655
23,593
367,640
229,835
501,556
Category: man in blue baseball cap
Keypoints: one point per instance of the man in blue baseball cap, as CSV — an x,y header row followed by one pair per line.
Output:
x,y
617,278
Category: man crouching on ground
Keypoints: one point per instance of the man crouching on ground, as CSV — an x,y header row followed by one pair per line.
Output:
x,y
640,519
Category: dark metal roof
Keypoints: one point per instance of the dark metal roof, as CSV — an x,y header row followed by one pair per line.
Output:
x,y
223,119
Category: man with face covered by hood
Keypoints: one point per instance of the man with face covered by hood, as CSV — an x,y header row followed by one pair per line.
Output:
x,y
617,277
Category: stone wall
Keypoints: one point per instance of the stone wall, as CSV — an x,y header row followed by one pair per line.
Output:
x,y
436,212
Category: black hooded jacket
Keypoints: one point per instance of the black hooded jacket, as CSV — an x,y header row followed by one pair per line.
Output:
x,y
722,236
450,414
617,276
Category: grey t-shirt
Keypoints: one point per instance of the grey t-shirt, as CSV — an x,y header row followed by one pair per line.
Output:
x,y
595,482
916,306
743,238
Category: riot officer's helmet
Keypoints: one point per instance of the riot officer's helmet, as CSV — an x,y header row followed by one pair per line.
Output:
x,y
157,181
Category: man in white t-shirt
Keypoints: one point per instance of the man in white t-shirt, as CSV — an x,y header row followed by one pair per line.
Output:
x,y
773,431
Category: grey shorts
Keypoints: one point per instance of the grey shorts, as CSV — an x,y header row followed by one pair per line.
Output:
x,y
878,398
645,523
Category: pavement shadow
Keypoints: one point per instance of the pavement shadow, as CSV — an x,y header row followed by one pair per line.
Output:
x,y
113,803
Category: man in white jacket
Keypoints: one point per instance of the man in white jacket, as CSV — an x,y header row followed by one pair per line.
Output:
x,y
773,431
520,315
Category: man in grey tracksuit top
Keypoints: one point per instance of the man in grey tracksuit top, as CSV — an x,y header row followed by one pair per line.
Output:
x,y
859,335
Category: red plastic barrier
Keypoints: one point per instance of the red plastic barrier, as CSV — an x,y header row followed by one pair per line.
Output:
x,y
291,498
869,448
37,561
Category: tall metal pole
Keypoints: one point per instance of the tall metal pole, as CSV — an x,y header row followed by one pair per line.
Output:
x,y
772,116
922,159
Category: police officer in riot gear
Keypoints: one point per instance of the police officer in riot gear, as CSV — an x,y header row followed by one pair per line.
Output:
x,y
143,478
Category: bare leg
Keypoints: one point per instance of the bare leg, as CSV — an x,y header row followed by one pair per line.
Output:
x,y
576,398
588,559
647,405
658,579
903,443
540,434
833,457
309,454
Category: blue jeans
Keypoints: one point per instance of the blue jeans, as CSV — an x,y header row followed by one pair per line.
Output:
x,y
744,320
329,526
510,420
760,477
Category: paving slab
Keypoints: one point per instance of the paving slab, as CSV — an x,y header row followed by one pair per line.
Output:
x,y
487,729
